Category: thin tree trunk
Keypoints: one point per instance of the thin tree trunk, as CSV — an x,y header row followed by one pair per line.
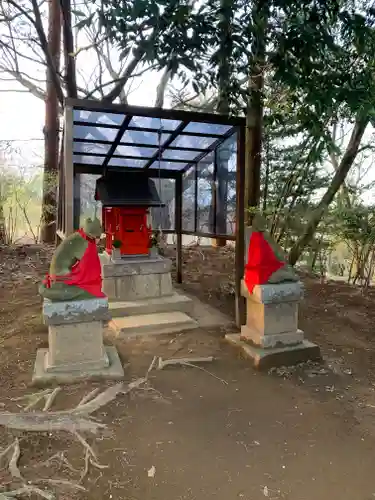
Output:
x,y
266,175
70,63
51,129
339,177
3,237
254,115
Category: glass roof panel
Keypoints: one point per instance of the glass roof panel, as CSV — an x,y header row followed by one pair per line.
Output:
x,y
138,137
156,123
123,162
90,147
184,154
191,141
168,165
135,151
89,160
207,128
98,133
98,117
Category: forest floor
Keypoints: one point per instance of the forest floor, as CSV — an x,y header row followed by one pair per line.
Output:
x,y
297,434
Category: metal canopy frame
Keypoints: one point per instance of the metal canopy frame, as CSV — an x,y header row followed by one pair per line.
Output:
x,y
200,133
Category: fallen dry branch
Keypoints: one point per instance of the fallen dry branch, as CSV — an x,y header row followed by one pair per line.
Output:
x,y
182,361
89,396
190,362
13,463
63,482
72,421
50,398
27,490
48,422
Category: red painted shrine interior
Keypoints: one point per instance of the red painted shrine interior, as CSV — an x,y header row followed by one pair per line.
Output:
x,y
128,225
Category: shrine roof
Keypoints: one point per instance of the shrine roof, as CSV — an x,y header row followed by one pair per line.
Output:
x,y
112,136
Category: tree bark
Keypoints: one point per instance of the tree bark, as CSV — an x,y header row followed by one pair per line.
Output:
x,y
337,181
254,115
70,63
51,129
226,13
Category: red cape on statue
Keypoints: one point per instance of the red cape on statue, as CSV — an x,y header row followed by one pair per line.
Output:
x,y
86,273
261,262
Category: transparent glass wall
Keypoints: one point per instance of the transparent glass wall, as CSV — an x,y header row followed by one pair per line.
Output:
x,y
226,186
164,217
206,193
188,200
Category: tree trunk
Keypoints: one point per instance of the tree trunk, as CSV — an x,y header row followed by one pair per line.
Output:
x,y
3,236
70,63
51,129
339,177
254,115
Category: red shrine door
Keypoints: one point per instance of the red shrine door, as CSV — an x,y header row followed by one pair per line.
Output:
x,y
128,225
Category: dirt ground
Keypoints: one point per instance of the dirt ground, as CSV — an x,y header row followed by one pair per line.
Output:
x,y
297,433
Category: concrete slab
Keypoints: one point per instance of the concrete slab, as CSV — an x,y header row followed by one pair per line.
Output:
x,y
152,324
136,265
274,293
138,286
264,359
171,303
75,311
41,376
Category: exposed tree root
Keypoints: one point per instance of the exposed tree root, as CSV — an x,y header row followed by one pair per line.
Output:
x,y
74,421
13,463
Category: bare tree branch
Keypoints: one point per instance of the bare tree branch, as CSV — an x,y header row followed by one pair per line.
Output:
x,y
161,88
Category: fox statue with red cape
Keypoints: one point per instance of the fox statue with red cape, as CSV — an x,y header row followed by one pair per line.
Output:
x,y
75,270
266,262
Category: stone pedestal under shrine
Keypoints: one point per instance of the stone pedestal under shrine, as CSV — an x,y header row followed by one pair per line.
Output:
x,y
75,343
136,278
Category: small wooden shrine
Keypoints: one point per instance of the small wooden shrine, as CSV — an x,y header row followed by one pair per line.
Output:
x,y
126,199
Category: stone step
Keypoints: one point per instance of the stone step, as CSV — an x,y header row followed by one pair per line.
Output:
x,y
152,324
170,303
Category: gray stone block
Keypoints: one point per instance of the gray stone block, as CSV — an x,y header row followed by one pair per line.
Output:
x,y
109,288
114,370
264,359
75,344
75,311
166,284
281,292
134,266
272,340
272,318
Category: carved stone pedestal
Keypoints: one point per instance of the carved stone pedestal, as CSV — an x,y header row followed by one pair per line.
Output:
x,y
75,343
271,336
136,278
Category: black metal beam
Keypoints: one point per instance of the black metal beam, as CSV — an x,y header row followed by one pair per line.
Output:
x,y
213,146
146,129
131,157
83,168
164,146
117,140
178,227
138,145
214,193
167,114
196,199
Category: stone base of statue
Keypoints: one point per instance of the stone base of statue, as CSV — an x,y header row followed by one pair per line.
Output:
x,y
271,336
75,343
